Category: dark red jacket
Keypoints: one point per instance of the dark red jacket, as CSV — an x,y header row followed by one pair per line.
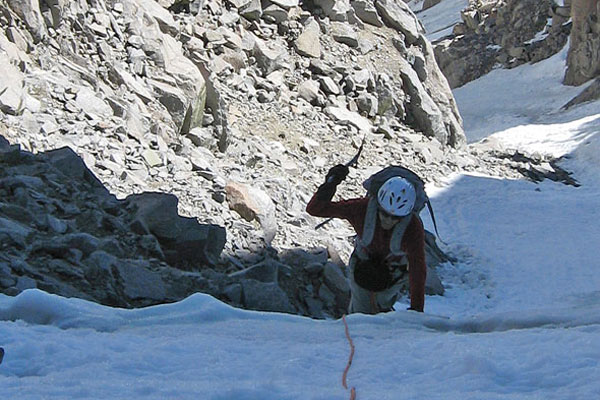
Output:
x,y
413,241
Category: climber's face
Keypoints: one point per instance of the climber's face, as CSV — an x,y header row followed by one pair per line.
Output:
x,y
387,221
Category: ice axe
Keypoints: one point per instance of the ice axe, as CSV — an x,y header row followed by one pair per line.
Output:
x,y
352,163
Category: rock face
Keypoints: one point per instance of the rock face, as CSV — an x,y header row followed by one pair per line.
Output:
x,y
583,61
183,241
591,93
504,32
62,231
196,118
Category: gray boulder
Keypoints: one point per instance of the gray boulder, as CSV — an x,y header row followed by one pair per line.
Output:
x,y
70,164
365,10
168,54
275,14
336,10
11,86
309,91
344,33
397,15
184,241
591,93
268,58
95,107
335,279
308,43
249,9
266,297
139,282
30,14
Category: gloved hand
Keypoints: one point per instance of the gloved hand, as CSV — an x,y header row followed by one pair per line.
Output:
x,y
337,174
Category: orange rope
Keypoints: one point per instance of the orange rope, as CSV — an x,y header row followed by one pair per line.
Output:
x,y
353,390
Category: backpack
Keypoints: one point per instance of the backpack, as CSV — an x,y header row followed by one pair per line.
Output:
x,y
372,185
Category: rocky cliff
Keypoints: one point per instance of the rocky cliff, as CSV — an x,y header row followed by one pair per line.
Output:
x,y
584,58
505,33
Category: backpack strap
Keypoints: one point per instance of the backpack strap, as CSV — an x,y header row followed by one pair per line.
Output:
x,y
430,208
363,241
398,234
370,222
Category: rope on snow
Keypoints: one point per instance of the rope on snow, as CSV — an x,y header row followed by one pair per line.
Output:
x,y
353,390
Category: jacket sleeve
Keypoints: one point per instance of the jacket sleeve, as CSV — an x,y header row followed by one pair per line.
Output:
x,y
413,244
320,205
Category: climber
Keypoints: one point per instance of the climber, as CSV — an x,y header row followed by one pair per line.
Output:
x,y
390,240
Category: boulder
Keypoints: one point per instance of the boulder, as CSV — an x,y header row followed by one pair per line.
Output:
x,y
53,12
30,14
185,242
139,282
308,43
253,204
163,17
397,15
275,14
70,164
167,53
422,108
336,10
346,117
11,86
250,9
329,86
335,279
174,100
591,93
266,297
309,91
365,10
431,102
269,59
344,33
95,107
98,272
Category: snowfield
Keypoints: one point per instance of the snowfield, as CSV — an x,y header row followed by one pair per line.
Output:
x,y
520,318
200,348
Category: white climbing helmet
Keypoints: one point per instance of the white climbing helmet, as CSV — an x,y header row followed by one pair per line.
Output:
x,y
397,196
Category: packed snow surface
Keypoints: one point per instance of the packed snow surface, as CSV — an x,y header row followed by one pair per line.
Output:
x,y
439,20
520,318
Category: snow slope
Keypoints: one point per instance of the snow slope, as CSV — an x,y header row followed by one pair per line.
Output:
x,y
439,20
201,349
520,318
